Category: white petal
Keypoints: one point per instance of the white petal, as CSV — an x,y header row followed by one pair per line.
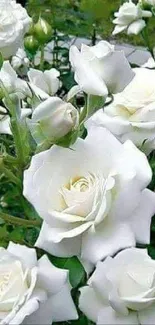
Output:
x,y
117,72
66,248
99,276
141,219
88,80
37,78
108,239
89,303
29,308
73,92
46,108
108,316
131,255
50,277
135,158
27,255
136,27
114,124
147,315
59,235
38,92
118,29
63,308
42,315
5,126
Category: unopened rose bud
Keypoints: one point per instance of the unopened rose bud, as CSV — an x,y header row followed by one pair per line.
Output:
x,y
31,44
42,31
53,119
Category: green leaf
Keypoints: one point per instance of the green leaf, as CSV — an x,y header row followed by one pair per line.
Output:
x,y
17,234
76,271
94,104
151,252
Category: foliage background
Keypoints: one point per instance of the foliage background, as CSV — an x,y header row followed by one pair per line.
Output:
x,y
79,17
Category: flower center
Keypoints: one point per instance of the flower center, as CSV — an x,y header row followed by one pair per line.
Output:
x,y
13,284
87,196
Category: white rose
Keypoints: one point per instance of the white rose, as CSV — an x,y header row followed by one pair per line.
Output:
x,y
31,291
129,18
132,113
20,60
14,22
53,119
92,196
44,84
12,83
121,290
100,69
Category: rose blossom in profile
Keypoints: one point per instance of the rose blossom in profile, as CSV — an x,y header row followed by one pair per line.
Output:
x,y
32,292
100,69
14,22
44,84
92,196
130,18
52,120
121,290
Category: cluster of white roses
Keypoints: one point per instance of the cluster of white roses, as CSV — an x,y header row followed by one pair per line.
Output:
x,y
91,194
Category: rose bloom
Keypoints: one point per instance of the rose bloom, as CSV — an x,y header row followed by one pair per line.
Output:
x,y
100,69
92,196
44,84
12,83
132,113
53,119
31,291
14,22
129,18
121,290
20,62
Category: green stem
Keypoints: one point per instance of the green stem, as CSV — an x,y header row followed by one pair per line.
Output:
x,y
94,38
19,222
42,57
85,110
8,173
16,127
18,142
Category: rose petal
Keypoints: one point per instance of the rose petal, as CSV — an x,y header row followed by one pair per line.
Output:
x,y
136,27
89,303
50,277
107,239
63,308
66,248
108,316
147,315
141,219
26,255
